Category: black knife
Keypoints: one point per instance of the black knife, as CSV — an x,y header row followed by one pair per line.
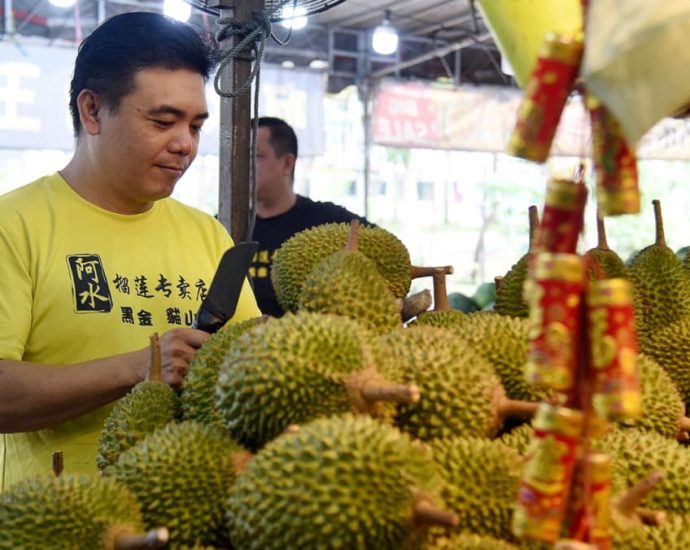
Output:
x,y
224,293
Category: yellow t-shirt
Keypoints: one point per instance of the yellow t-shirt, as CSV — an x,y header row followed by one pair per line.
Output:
x,y
78,283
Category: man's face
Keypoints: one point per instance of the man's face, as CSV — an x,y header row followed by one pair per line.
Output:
x,y
152,138
273,173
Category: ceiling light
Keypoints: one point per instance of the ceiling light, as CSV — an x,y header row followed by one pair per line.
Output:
x,y
385,38
506,67
288,64
294,20
318,64
177,9
63,3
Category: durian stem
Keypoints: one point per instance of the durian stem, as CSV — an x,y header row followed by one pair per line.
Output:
x,y
573,545
651,517
155,538
396,393
633,497
425,513
417,271
602,243
512,408
533,214
498,279
440,294
154,373
58,463
353,239
414,304
659,223
240,459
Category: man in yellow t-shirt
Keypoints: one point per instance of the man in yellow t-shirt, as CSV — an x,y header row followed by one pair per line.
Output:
x,y
97,257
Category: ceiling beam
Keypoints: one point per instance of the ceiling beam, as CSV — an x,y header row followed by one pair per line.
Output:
x,y
437,52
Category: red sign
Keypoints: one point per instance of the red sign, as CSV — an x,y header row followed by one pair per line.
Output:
x,y
405,116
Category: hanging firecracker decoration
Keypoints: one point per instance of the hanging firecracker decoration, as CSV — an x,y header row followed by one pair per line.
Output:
x,y
546,93
615,163
617,393
543,492
554,292
563,217
590,502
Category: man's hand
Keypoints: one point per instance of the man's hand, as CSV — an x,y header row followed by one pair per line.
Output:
x,y
178,348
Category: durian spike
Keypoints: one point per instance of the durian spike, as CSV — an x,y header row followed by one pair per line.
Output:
x,y
155,538
651,517
683,429
397,393
440,293
426,514
58,463
628,502
533,214
417,271
292,429
154,372
659,224
414,304
353,238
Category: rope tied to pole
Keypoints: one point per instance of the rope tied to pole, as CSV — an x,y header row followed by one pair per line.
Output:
x,y
253,32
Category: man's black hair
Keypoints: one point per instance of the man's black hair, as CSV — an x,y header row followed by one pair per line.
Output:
x,y
109,58
283,138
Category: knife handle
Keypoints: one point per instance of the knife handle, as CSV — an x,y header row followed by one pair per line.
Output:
x,y
207,321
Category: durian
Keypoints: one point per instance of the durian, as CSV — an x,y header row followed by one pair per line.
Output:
x,y
510,300
198,390
661,285
336,483
348,283
602,262
149,405
672,534
502,341
519,438
181,475
470,541
482,478
460,394
69,512
663,410
300,367
297,256
635,454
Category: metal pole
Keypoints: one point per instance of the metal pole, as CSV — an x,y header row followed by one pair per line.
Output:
x,y
366,99
101,11
235,121
9,18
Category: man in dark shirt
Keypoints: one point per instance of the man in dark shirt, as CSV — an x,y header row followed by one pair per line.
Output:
x,y
280,212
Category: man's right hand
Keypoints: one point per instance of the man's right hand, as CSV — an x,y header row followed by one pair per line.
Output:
x,y
178,348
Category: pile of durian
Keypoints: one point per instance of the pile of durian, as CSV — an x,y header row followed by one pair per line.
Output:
x,y
362,420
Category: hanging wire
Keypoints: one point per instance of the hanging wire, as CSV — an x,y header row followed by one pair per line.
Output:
x,y
284,41
254,32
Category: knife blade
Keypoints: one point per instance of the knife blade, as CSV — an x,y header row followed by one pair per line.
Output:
x,y
224,293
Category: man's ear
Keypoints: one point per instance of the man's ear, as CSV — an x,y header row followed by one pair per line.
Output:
x,y
289,164
90,105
